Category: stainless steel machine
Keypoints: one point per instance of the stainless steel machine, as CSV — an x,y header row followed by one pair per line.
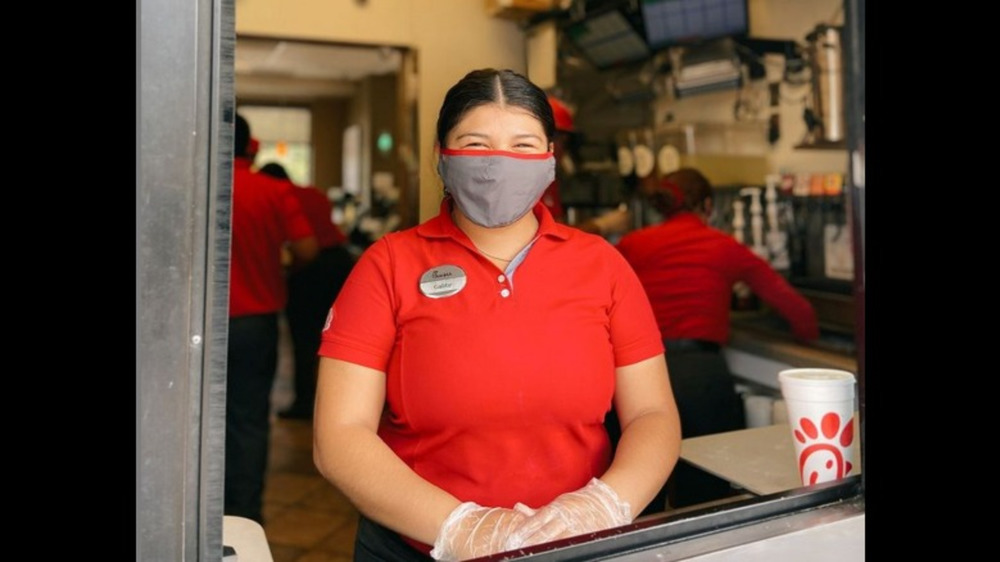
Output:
x,y
826,63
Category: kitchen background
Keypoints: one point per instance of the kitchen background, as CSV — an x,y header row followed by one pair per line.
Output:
x,y
346,95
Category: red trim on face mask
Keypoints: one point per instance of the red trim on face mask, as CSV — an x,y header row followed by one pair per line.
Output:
x,y
473,152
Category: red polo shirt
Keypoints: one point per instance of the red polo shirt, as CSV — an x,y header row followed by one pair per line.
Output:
x,y
688,269
265,215
319,211
497,383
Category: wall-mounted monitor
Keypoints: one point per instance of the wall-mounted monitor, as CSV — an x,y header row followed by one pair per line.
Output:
x,y
609,38
685,22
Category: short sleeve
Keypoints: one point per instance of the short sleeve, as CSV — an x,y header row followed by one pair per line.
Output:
x,y
361,325
634,331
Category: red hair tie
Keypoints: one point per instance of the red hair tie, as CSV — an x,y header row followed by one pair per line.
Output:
x,y
676,191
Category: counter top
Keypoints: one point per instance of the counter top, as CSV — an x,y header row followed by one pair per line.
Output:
x,y
247,538
760,460
760,345
786,350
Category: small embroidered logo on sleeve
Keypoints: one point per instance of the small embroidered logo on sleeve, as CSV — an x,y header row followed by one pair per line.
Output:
x,y
329,320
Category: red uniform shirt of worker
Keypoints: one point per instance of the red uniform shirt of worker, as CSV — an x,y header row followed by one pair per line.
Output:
x,y
311,290
469,362
688,269
266,219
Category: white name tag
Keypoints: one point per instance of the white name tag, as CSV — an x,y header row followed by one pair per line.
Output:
x,y
442,281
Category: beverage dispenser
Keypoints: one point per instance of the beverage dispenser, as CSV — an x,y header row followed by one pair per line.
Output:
x,y
777,234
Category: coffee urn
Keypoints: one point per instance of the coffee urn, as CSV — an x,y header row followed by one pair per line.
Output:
x,y
826,64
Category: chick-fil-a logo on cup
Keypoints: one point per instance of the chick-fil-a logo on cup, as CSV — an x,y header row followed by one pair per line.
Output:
x,y
822,456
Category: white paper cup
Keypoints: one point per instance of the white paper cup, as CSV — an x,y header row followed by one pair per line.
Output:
x,y
820,405
758,410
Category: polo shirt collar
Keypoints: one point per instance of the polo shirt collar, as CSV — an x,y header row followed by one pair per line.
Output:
x,y
441,226
687,216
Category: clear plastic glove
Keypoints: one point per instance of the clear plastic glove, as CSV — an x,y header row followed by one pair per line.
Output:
x,y
471,531
614,222
594,507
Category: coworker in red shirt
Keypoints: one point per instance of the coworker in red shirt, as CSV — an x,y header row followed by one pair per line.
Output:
x,y
469,362
266,217
688,269
311,291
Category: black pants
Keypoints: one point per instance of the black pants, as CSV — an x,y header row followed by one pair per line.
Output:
x,y
311,292
252,362
375,543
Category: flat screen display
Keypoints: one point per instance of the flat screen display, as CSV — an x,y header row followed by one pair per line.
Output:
x,y
682,22
608,40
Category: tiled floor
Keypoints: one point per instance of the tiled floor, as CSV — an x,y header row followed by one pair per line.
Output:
x,y
305,518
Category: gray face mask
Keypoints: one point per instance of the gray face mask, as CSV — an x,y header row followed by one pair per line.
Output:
x,y
495,188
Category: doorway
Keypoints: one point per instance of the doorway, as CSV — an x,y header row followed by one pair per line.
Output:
x,y
361,144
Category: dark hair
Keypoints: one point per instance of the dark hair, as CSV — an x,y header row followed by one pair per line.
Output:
x,y
489,85
241,138
275,170
685,189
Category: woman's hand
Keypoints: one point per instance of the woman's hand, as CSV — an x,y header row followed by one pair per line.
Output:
x,y
594,507
471,531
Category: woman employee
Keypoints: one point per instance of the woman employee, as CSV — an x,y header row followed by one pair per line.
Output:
x,y
468,362
688,270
